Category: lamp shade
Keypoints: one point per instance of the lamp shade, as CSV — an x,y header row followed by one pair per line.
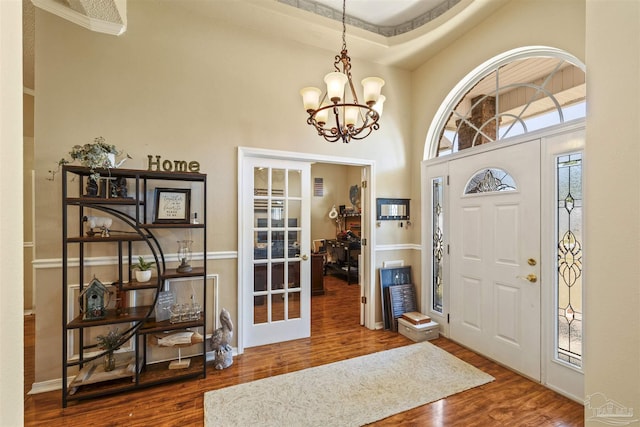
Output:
x,y
378,106
351,116
372,87
310,98
322,116
335,85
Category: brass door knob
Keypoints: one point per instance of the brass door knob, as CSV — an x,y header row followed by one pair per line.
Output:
x,y
529,277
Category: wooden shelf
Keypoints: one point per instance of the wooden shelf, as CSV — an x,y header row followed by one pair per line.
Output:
x,y
171,273
114,237
154,374
189,225
137,173
127,201
93,372
134,285
152,326
133,314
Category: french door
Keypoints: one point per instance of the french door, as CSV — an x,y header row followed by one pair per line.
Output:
x,y
275,266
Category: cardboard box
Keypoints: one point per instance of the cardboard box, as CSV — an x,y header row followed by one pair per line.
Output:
x,y
418,333
416,318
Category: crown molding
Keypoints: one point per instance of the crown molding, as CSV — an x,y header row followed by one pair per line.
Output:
x,y
92,24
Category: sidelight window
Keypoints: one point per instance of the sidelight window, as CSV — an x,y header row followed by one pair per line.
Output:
x,y
569,256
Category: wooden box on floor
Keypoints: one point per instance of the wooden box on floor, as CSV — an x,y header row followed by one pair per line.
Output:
x,y
418,333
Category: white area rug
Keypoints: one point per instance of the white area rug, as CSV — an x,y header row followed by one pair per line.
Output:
x,y
349,393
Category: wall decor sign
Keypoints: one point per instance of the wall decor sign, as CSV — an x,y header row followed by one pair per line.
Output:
x,y
172,206
158,164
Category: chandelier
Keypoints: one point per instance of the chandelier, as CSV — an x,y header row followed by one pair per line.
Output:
x,y
338,115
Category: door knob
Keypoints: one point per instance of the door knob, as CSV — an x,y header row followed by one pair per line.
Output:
x,y
305,257
530,277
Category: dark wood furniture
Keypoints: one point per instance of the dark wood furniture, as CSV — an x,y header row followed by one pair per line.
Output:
x,y
342,258
132,232
317,274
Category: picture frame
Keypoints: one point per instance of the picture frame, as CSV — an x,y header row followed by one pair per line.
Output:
x,y
173,206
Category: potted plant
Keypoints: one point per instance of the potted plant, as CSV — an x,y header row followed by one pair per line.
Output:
x,y
110,342
97,155
143,269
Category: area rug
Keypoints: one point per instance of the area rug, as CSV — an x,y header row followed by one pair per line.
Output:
x,y
352,392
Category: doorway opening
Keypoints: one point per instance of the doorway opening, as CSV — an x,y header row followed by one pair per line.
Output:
x,y
248,159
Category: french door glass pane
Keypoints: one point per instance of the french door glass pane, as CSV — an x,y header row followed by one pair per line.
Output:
x,y
569,255
277,230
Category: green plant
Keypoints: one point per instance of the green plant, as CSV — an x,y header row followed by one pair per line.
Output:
x,y
97,155
143,265
110,341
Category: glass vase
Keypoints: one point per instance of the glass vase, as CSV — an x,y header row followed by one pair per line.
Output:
x,y
109,362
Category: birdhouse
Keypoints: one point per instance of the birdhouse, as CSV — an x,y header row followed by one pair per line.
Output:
x,y
92,301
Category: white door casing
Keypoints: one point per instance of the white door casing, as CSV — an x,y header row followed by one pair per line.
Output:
x,y
494,308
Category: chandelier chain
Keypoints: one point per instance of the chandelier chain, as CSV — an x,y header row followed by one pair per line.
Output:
x,y
344,26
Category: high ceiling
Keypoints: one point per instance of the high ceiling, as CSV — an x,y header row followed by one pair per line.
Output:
x,y
401,33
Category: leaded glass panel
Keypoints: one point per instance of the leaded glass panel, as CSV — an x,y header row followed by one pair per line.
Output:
x,y
490,180
437,227
569,267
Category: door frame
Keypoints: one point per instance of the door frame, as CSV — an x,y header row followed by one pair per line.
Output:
x,y
367,252
546,273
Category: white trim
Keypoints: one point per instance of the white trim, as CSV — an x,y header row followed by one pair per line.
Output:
x,y
399,247
113,260
97,25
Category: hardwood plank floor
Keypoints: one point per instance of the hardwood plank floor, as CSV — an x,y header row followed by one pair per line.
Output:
x,y
510,400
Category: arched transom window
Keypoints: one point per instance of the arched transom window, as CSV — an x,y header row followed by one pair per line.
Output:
x,y
522,91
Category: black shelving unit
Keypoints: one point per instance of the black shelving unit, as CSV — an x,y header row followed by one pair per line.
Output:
x,y
136,233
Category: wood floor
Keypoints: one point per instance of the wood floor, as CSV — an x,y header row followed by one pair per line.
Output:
x,y
510,400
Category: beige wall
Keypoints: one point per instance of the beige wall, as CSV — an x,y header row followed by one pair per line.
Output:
x,y
337,180
612,238
27,185
186,87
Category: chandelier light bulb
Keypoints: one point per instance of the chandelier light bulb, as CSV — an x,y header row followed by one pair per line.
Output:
x,y
335,85
351,116
310,98
372,87
378,106
322,116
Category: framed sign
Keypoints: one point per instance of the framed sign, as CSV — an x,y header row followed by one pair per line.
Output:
x,y
172,206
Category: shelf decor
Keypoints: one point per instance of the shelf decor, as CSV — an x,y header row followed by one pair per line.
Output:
x,y
172,206
92,300
96,155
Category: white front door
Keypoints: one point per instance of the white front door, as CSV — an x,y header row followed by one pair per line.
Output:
x,y
275,251
495,255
